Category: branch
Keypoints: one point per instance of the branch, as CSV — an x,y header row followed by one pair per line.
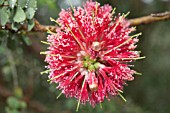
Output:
x,y
43,28
37,28
133,22
150,19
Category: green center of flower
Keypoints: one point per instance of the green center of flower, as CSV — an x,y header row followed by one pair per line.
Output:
x,y
90,64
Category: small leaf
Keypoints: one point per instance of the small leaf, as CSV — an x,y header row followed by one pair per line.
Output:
x,y
1,50
27,40
32,4
19,15
30,25
8,110
18,92
12,3
14,26
1,2
7,71
22,3
15,111
3,16
13,102
23,105
30,13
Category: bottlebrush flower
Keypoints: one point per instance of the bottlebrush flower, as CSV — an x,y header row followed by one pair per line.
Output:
x,y
89,54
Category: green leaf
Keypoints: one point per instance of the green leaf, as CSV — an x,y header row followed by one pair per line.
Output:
x,y
15,111
13,102
6,70
23,105
30,13
2,50
22,3
18,92
1,2
12,3
27,40
32,4
8,110
30,25
14,26
3,16
19,15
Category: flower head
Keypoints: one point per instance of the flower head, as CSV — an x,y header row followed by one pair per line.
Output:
x,y
89,53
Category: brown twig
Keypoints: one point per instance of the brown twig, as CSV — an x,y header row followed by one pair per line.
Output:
x,y
43,28
150,18
133,22
37,28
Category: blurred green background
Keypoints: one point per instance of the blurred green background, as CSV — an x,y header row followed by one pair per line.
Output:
x,y
148,93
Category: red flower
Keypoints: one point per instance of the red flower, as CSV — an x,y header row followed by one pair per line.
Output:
x,y
89,53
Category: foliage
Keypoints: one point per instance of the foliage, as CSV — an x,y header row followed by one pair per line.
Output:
x,y
15,105
17,13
